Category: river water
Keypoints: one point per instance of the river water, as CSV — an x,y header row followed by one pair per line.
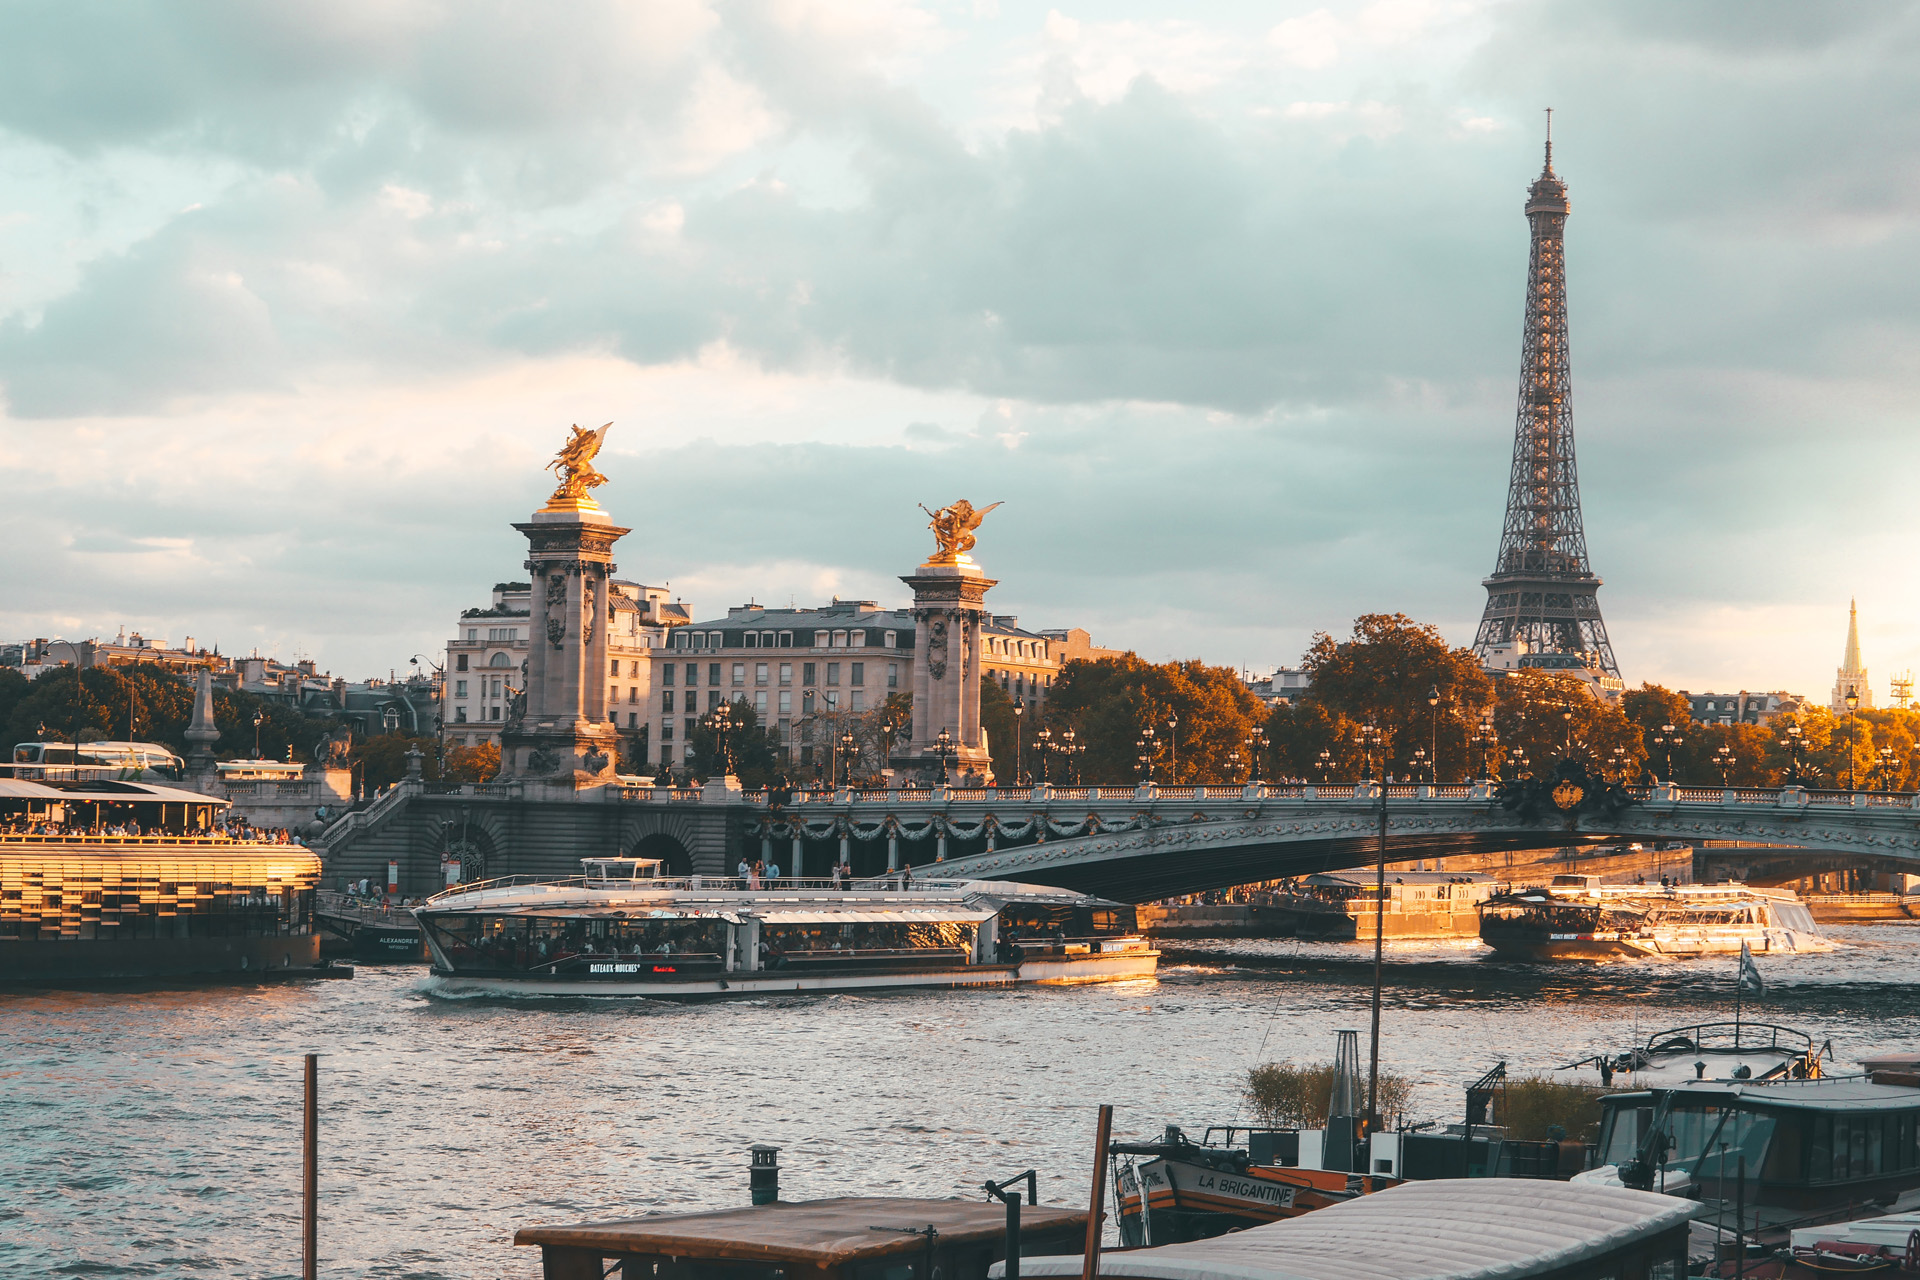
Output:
x,y
155,1131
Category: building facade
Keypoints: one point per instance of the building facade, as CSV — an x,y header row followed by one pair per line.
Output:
x,y
1742,707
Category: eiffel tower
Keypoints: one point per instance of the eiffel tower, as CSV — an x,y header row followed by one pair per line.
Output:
x,y
1542,591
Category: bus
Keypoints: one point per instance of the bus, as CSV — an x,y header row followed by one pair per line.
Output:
x,y
124,761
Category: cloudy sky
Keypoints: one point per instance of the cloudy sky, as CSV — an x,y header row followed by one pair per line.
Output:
x,y
1223,300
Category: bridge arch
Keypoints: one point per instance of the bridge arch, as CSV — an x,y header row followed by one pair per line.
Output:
x,y
674,856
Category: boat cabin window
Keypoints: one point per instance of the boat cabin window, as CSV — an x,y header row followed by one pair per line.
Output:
x,y
1093,920
495,943
784,945
620,868
1843,1147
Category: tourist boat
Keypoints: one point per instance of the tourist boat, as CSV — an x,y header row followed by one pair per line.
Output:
x,y
1341,906
621,928
83,898
1577,918
1765,1157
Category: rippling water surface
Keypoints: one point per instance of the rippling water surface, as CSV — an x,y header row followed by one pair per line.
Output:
x,y
155,1131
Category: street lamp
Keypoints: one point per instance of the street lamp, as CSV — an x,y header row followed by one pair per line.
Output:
x,y
260,718
720,721
1668,738
849,755
1796,743
1617,760
1173,747
1073,749
1233,764
1420,763
1256,749
1043,743
1433,731
1886,768
943,749
1724,757
1148,746
1517,756
1019,714
1324,763
1486,742
1370,741
1853,703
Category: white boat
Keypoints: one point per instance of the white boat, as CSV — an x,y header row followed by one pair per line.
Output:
x,y
622,929
1739,1050
1577,918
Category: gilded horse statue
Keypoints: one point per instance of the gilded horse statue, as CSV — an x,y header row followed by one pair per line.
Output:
x,y
574,465
953,528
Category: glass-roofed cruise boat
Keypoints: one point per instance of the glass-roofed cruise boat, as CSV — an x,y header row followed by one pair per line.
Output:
x,y
622,928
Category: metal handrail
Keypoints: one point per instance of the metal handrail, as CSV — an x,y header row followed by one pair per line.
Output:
x,y
699,884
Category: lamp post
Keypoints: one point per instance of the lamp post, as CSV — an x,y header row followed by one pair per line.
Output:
x,y
1071,749
1853,704
1421,765
1433,733
1886,768
1256,749
1147,745
849,756
1517,756
720,722
260,718
943,749
1370,741
1724,758
1566,714
1233,765
1796,743
1173,747
1019,715
1043,743
1667,739
1617,759
1324,763
1485,743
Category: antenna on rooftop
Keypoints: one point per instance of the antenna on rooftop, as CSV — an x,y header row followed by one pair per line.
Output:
x,y
1903,690
1549,139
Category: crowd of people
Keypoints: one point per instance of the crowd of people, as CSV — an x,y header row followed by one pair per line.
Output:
x,y
230,829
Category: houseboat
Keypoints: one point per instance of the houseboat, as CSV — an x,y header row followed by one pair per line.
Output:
x,y
102,878
623,929
1738,1050
1341,906
1765,1157
1577,918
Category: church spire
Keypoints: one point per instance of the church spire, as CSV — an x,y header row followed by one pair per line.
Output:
x,y
1852,675
1852,661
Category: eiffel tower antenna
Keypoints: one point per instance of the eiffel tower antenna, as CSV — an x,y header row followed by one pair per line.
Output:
x,y
1541,597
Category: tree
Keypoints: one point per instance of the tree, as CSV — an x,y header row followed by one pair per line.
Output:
x,y
1384,676
997,718
13,688
755,752
150,703
1109,701
470,764
1552,714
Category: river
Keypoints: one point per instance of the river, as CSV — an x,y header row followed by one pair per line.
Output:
x,y
155,1131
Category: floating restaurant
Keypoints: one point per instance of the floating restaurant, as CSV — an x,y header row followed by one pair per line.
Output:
x,y
102,878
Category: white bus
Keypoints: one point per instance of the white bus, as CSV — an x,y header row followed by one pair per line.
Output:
x,y
125,761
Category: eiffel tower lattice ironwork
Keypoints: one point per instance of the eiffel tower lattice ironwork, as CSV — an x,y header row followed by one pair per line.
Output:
x,y
1543,592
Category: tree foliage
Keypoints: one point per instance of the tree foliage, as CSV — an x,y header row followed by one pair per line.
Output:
x,y
1109,701
149,703
756,752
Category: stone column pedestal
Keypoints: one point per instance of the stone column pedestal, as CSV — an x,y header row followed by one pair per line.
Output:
x,y
949,613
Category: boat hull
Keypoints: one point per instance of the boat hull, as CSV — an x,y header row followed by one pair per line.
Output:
x,y
1108,967
1658,945
52,963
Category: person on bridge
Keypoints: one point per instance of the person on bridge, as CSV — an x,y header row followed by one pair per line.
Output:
x,y
745,869
773,872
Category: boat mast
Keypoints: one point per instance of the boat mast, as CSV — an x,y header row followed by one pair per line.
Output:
x,y
1379,939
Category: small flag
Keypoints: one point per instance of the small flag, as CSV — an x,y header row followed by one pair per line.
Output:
x,y
1749,983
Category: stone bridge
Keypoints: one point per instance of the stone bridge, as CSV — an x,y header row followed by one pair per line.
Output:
x,y
1132,843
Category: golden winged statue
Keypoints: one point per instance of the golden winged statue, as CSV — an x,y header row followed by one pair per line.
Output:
x,y
574,465
953,528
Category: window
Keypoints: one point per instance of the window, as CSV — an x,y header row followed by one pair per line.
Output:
x,y
616,666
759,673
500,660
893,675
839,640
666,674
833,673
666,731
786,639
633,668
693,674
633,719
633,693
459,688
753,639
713,699
766,639
497,686
460,662
459,715
666,700
786,673
713,673
739,673
613,697
687,724
857,673
807,673
806,703
820,639
760,702
891,639
493,713
833,700
714,640
786,702
502,635
472,634
859,700
856,639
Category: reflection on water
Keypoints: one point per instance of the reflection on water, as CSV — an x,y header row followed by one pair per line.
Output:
x,y
155,1131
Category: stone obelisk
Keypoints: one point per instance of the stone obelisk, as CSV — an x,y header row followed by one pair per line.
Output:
x,y
950,614
202,733
558,728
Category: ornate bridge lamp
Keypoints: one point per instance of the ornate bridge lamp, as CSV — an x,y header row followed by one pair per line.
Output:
x,y
1724,758
1886,768
1433,733
1796,744
720,721
1233,765
1256,749
1668,738
1043,744
849,753
1517,757
260,718
1019,715
944,751
1324,763
1486,744
1617,764
1422,766
1070,750
1371,740
1853,704
1147,746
